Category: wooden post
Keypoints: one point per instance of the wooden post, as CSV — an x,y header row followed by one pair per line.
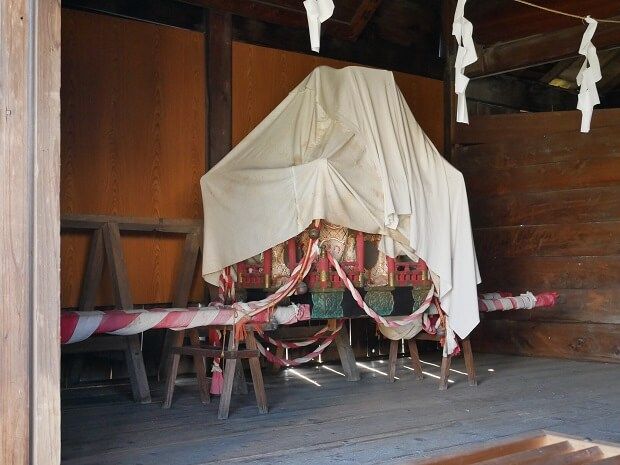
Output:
x,y
219,85
448,47
30,232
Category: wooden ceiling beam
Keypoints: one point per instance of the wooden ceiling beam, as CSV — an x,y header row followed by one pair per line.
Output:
x,y
556,70
367,51
277,14
362,16
518,94
540,49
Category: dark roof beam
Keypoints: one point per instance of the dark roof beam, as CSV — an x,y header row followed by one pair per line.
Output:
x,y
540,49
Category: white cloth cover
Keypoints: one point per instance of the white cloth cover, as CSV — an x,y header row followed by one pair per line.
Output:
x,y
343,146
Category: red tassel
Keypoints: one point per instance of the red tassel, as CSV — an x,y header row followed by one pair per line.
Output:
x,y
217,380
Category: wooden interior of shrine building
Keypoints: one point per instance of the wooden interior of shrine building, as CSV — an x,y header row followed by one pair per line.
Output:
x,y
153,93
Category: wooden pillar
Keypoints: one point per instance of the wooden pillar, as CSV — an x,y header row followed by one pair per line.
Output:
x,y
219,85
30,232
448,52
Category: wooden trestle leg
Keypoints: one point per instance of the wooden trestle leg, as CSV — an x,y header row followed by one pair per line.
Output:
x,y
200,368
415,358
173,367
257,375
347,357
392,360
445,372
469,362
229,377
136,369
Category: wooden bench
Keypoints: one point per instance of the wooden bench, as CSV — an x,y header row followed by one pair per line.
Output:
x,y
445,361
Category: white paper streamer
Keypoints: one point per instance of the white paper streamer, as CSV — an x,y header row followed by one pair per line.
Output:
x,y
462,30
588,76
318,11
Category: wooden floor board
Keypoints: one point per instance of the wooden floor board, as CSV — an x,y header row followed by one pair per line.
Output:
x,y
342,422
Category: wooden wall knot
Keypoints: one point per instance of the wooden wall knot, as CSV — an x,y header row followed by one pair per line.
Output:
x,y
578,344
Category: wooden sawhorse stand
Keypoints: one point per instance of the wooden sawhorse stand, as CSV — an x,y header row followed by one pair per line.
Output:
x,y
445,361
106,244
231,355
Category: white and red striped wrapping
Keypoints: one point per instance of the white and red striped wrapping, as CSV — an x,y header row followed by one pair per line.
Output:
x,y
306,358
77,326
502,301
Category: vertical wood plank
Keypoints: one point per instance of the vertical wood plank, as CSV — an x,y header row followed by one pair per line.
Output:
x,y
45,416
219,85
15,204
29,232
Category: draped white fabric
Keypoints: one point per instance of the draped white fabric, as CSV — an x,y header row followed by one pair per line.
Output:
x,y
589,75
462,30
344,147
318,11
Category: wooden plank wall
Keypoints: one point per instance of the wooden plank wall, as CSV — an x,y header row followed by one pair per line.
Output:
x,y
262,77
545,204
133,120
133,124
